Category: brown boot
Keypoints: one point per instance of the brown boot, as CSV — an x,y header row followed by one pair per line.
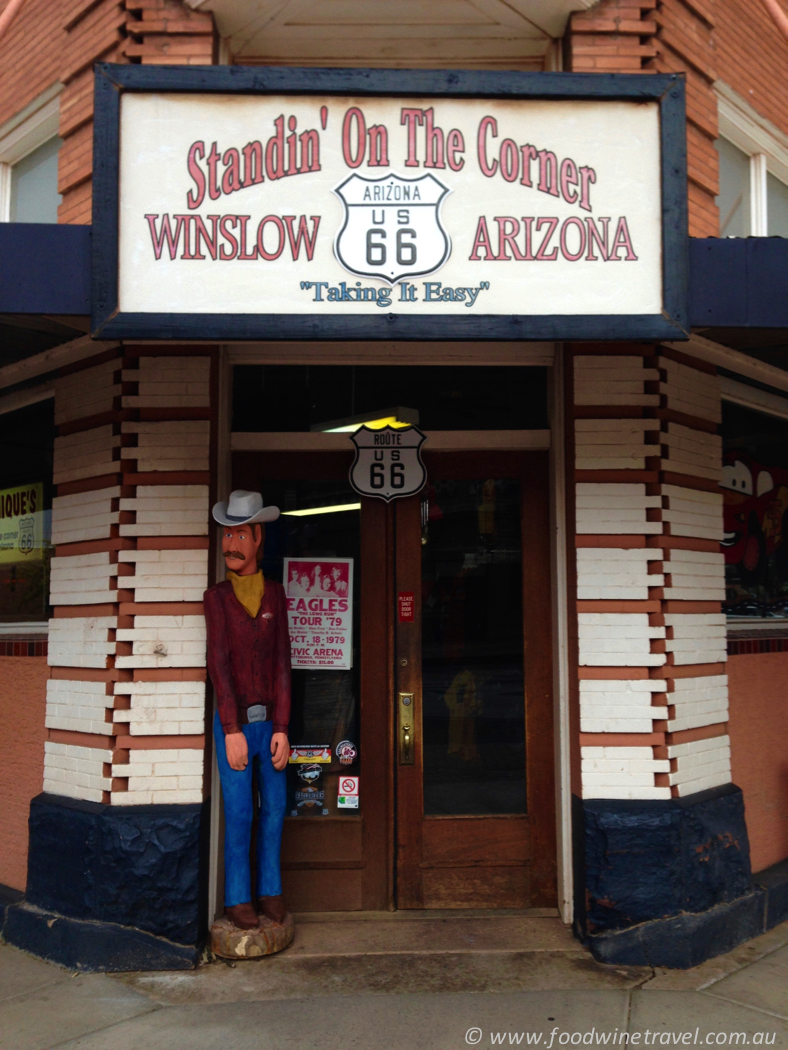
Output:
x,y
242,915
273,908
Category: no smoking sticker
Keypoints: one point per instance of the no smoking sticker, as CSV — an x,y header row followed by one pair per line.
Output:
x,y
347,793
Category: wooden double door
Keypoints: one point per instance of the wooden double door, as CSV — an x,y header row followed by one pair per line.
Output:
x,y
448,704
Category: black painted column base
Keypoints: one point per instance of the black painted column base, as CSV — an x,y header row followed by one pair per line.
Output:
x,y
8,896
684,940
668,883
93,947
113,888
774,882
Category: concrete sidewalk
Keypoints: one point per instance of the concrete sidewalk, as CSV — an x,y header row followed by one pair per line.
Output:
x,y
401,982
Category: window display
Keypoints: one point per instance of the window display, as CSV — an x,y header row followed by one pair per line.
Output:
x,y
26,444
755,492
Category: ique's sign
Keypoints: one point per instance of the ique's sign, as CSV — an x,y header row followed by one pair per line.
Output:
x,y
289,213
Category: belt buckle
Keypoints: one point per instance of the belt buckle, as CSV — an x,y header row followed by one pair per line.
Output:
x,y
256,713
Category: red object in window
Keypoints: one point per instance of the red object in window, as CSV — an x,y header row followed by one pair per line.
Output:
x,y
406,606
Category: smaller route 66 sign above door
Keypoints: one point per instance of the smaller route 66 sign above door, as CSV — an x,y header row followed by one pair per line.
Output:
x,y
388,462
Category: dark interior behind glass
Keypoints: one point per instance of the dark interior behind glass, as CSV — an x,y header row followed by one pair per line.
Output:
x,y
472,648
297,397
26,451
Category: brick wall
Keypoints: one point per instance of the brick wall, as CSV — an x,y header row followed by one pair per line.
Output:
x,y
23,683
685,44
662,36
50,42
759,731
168,32
615,36
751,55
735,41
143,31
31,54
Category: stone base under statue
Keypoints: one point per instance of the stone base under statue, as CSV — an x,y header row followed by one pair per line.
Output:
x,y
228,942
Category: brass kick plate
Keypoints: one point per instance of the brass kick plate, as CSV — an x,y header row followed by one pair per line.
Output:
x,y
405,728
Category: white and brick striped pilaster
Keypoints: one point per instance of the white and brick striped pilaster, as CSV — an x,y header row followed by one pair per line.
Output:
x,y
126,701
650,575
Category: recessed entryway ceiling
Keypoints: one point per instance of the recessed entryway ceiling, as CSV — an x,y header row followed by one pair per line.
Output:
x,y
481,33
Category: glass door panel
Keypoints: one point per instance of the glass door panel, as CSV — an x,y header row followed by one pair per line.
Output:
x,y
318,530
473,714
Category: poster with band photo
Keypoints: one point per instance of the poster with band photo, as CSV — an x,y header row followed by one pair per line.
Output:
x,y
319,595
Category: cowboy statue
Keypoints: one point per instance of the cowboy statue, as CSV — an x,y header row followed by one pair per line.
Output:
x,y
249,665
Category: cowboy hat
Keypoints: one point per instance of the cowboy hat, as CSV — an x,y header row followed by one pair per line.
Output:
x,y
243,508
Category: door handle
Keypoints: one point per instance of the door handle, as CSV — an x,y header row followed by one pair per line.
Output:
x,y
406,722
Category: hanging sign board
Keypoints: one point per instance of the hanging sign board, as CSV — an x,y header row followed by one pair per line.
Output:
x,y
319,595
293,203
388,462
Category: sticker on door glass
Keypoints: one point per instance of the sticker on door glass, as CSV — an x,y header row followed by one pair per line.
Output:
x,y
310,753
309,802
346,752
320,612
347,792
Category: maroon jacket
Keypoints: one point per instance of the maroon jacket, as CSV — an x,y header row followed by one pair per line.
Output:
x,y
249,659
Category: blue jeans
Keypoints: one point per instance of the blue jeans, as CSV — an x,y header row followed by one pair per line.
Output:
x,y
238,811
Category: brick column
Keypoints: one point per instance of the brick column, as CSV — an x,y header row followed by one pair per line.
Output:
x,y
130,524
696,740
160,700
650,575
168,32
115,839
83,585
621,632
664,828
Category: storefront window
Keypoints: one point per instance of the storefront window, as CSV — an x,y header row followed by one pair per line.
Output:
x,y
318,544
305,397
26,444
755,488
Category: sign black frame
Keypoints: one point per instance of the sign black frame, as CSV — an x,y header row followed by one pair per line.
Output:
x,y
672,323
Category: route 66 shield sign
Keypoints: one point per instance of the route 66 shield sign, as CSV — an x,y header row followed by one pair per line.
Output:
x,y
388,462
392,228
26,539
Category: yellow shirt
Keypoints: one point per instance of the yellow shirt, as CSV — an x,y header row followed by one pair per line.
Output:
x,y
248,590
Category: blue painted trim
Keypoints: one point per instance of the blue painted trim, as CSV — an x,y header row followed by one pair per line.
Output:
x,y
44,268
106,179
733,283
389,326
110,80
739,282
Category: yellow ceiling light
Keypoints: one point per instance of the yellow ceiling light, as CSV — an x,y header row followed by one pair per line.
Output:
x,y
321,510
384,417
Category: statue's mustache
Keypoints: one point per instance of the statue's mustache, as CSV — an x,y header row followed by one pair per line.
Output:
x,y
234,554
